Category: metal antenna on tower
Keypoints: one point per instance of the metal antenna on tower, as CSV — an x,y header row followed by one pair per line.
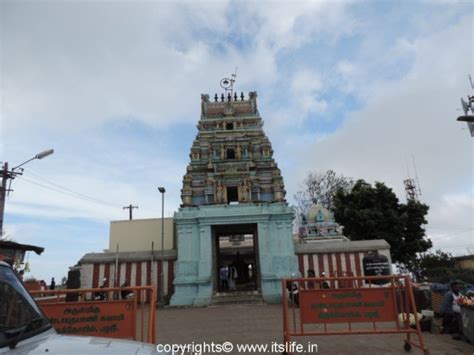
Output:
x,y
412,189
466,106
416,176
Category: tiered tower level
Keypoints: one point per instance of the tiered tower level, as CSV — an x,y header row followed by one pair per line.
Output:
x,y
231,157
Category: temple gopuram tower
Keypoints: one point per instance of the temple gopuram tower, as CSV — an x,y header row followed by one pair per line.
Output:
x,y
234,218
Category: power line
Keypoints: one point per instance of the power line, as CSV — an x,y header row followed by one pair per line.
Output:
x,y
73,194
457,246
88,199
463,228
450,235
71,191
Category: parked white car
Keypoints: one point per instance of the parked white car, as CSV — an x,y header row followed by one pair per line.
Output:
x,y
24,329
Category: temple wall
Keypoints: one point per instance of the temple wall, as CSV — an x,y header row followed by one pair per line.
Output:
x,y
124,234
139,269
336,257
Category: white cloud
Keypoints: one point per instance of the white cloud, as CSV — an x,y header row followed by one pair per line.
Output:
x,y
305,86
72,70
97,61
413,114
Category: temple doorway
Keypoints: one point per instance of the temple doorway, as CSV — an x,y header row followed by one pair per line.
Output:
x,y
235,254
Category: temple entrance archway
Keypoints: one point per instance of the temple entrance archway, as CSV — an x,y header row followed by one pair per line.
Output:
x,y
236,246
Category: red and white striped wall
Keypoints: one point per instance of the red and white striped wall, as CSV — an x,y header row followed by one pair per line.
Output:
x,y
333,264
137,273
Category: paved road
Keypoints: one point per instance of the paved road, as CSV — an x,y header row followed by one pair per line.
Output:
x,y
262,324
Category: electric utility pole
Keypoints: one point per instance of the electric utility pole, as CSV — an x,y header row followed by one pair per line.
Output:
x,y
130,208
8,175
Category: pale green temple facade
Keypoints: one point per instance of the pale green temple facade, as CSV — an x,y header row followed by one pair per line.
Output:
x,y
233,211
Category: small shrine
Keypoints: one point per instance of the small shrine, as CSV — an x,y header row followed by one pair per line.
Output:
x,y
319,224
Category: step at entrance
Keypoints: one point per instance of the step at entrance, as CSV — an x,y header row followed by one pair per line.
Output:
x,y
237,297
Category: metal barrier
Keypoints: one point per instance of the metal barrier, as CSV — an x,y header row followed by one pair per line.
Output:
x,y
366,309
112,312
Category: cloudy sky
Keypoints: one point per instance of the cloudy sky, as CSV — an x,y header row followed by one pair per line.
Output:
x,y
114,87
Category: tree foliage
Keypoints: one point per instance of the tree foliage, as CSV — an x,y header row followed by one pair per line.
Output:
x,y
437,259
374,212
320,188
439,267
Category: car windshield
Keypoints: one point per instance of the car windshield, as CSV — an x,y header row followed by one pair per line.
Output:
x,y
20,317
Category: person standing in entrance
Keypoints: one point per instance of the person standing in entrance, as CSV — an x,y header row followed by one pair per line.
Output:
x,y
223,276
233,276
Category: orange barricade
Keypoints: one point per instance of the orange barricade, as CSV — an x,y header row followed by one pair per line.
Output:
x,y
112,312
346,308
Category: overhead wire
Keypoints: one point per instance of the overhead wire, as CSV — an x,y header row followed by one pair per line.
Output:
x,y
65,191
453,234
71,191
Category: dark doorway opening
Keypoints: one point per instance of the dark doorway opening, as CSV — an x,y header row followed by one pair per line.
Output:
x,y
229,126
232,194
236,256
230,153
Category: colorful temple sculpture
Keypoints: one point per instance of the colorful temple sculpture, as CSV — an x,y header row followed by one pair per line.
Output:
x,y
319,224
232,191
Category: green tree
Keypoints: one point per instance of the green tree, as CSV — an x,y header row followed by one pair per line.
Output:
x,y
374,212
437,259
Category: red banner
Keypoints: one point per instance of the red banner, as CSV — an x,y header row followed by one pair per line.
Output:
x,y
350,305
112,319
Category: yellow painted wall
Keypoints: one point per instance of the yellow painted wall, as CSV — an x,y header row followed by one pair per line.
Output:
x,y
137,234
466,264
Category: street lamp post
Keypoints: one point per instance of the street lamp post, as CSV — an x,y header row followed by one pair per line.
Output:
x,y
162,275
10,175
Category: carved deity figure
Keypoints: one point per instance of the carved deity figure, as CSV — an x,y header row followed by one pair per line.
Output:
x,y
186,194
220,194
222,153
244,190
204,103
187,180
253,101
278,196
238,152
209,181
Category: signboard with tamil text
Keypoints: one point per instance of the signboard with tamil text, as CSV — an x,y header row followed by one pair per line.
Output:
x,y
112,319
344,306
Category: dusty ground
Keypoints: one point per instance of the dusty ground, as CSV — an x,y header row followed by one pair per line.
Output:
x,y
262,324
